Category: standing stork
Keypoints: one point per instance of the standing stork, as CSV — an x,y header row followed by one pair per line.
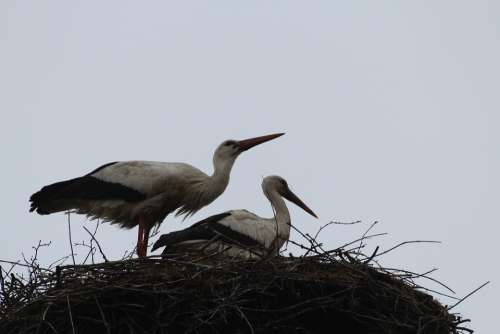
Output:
x,y
239,233
143,193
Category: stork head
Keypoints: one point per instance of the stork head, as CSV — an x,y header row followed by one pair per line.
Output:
x,y
229,150
279,184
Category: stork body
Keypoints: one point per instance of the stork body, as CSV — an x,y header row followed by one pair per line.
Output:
x,y
143,193
239,233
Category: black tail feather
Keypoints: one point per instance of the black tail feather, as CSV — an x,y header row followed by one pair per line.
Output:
x,y
59,196
41,200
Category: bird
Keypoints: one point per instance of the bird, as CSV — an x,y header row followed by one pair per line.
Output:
x,y
131,193
239,233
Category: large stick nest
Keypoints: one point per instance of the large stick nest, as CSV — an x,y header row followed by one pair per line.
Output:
x,y
194,294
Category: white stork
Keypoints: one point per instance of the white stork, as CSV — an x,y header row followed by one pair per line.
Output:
x,y
143,193
239,233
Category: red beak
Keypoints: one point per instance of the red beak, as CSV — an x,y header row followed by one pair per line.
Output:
x,y
289,195
249,143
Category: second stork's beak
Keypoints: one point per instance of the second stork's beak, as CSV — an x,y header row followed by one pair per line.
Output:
x,y
249,143
289,195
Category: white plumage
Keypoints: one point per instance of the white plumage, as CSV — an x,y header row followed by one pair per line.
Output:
x,y
149,177
239,233
165,186
143,193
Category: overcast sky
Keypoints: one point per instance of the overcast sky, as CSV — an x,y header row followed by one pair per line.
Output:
x,y
391,113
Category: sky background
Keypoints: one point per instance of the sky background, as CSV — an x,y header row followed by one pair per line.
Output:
x,y
391,113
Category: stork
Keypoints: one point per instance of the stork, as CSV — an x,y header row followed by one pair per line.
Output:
x,y
143,193
239,233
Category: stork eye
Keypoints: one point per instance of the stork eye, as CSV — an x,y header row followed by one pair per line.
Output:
x,y
283,182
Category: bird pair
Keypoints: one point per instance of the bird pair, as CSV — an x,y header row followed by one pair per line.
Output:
x,y
143,193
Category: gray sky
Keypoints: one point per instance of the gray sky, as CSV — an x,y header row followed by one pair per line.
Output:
x,y
391,111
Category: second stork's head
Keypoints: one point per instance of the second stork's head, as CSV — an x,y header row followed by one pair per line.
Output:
x,y
227,152
279,185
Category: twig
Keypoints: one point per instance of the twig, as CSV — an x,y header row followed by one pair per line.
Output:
x,y
408,242
468,295
70,315
364,235
62,259
102,315
249,324
334,223
424,275
348,223
372,256
98,245
2,282
25,265
70,240
355,241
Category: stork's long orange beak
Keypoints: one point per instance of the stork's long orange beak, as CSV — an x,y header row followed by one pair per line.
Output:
x,y
289,195
249,143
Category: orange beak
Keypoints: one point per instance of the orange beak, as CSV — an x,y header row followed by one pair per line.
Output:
x,y
249,143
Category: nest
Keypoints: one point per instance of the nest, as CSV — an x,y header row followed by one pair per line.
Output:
x,y
190,293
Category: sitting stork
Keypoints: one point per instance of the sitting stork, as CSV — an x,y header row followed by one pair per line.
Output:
x,y
143,193
239,233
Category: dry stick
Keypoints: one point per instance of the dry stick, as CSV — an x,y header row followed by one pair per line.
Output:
x,y
349,223
323,227
70,315
364,235
7,272
334,223
314,246
249,324
372,256
424,275
305,248
91,241
83,244
102,315
98,245
355,241
91,246
427,273
2,282
434,291
70,240
25,265
465,329
408,242
468,295
64,258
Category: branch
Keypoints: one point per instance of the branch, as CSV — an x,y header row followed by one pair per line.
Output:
x,y
98,245
408,242
70,240
468,295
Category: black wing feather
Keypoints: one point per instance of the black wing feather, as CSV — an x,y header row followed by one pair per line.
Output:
x,y
207,229
81,188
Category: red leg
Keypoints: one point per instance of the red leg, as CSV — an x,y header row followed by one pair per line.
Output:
x,y
140,238
146,239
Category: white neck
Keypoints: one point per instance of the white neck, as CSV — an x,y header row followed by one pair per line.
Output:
x,y
206,190
282,216
214,186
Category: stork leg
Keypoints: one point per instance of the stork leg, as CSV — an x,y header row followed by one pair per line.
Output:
x,y
141,250
145,239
